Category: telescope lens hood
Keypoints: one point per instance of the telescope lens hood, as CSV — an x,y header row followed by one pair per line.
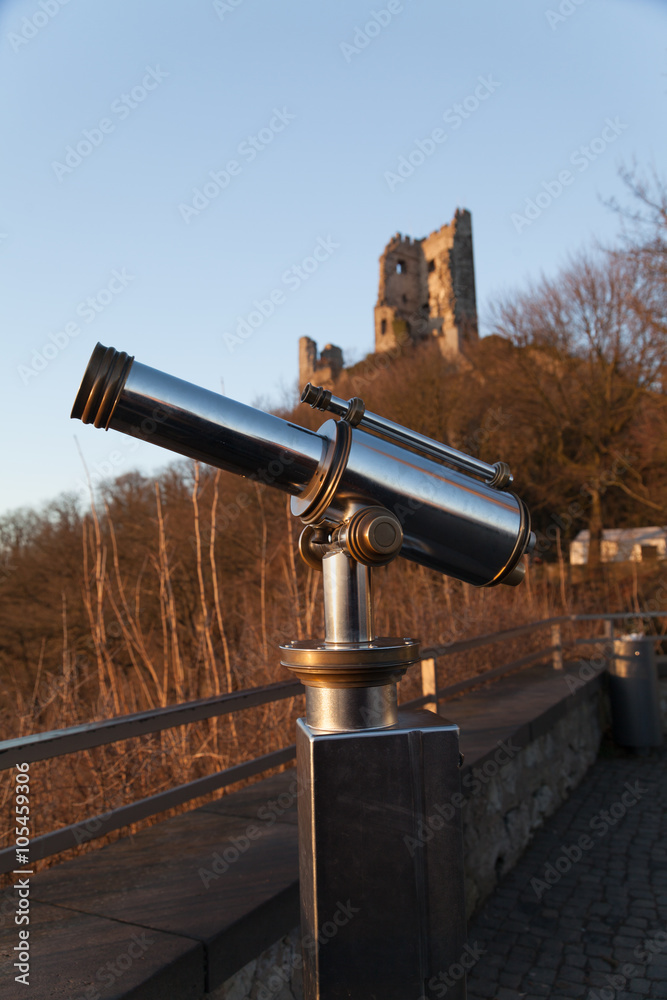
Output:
x,y
101,386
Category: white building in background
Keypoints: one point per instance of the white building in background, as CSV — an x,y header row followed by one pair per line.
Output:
x,y
622,545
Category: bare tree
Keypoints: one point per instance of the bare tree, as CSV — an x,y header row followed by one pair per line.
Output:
x,y
588,361
644,219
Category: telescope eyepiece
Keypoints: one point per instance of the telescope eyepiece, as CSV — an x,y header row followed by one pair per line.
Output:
x,y
316,396
101,386
350,410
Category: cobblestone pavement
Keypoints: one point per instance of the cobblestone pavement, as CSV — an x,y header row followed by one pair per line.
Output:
x,y
584,913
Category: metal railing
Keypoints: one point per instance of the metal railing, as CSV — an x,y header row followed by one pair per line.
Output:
x,y
44,746
47,745
432,695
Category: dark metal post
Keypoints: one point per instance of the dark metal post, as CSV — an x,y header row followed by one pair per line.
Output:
x,y
634,693
380,845
381,861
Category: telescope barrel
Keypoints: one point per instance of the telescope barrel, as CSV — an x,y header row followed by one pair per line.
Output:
x,y
451,522
120,394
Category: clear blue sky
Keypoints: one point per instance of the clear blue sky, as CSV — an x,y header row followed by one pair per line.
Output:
x,y
333,111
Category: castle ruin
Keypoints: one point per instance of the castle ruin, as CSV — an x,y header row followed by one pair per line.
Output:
x,y
321,369
426,289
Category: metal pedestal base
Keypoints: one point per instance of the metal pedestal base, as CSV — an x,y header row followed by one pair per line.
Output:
x,y
348,709
381,861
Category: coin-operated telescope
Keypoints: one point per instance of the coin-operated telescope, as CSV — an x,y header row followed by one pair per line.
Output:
x,y
367,491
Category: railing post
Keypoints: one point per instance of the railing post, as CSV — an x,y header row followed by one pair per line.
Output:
x,y
557,644
430,684
609,633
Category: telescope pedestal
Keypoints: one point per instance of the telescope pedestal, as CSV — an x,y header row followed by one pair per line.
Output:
x,y
380,845
381,861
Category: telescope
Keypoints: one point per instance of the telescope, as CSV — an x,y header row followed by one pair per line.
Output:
x,y
456,515
367,490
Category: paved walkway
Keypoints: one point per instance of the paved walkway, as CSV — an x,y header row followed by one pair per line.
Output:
x,y
584,913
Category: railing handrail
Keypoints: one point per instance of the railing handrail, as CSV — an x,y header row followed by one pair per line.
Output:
x,y
435,694
54,743
482,640
85,736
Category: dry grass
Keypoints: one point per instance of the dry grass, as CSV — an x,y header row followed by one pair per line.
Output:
x,y
219,636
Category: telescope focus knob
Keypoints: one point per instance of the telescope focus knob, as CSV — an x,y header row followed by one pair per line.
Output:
x,y
503,476
373,536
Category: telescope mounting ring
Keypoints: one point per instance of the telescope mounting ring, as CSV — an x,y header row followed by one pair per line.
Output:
x,y
311,505
350,665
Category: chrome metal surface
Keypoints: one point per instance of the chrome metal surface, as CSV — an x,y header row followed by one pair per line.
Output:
x,y
351,709
386,652
381,861
319,398
351,676
402,435
516,575
350,686
208,427
373,536
313,502
323,399
451,523
312,541
102,383
203,425
348,611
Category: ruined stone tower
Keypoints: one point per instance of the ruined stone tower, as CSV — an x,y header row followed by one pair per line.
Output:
x,y
427,289
321,370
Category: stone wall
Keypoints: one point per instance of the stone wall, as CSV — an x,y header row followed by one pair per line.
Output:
x,y
321,368
509,792
275,975
503,811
